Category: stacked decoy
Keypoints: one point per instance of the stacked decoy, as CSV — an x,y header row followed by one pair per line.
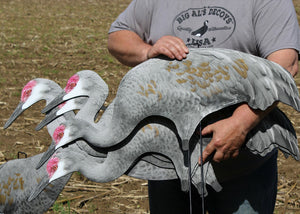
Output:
x,y
18,178
150,130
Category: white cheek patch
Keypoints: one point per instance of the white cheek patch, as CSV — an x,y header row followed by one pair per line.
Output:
x,y
77,91
65,139
60,172
69,106
37,94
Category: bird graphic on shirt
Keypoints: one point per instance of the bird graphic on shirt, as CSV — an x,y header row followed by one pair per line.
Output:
x,y
201,31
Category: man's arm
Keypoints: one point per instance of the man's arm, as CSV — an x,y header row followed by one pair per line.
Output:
x,y
229,134
131,50
287,58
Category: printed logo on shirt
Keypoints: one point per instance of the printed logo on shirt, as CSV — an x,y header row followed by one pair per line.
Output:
x,y
204,27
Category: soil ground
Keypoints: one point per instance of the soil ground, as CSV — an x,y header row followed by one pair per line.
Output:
x,y
55,39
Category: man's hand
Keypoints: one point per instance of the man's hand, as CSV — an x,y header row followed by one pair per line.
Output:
x,y
170,46
131,50
228,137
229,134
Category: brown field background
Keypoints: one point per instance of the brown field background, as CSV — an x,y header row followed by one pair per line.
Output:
x,y
55,39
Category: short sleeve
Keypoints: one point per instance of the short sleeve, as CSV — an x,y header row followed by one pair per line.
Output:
x,y
276,26
136,18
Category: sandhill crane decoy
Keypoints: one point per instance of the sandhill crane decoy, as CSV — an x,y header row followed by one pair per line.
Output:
x,y
186,91
154,139
18,178
91,107
90,135
93,82
230,102
74,104
34,91
93,87
47,90
101,87
77,87
154,167
45,85
267,146
68,159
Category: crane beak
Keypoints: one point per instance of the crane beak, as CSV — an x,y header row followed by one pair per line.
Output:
x,y
17,112
39,188
48,119
46,155
58,100
69,105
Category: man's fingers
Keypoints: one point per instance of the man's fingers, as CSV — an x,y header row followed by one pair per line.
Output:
x,y
207,130
179,49
169,46
209,150
173,51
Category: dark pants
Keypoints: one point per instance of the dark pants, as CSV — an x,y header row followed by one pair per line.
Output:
x,y
254,193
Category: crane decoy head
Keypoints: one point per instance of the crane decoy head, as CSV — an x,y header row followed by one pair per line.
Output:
x,y
52,166
68,132
80,84
63,162
34,91
58,101
57,136
60,135
72,82
55,170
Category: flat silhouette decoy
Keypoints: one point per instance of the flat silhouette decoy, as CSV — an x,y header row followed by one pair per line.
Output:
x,y
18,178
174,97
186,91
266,149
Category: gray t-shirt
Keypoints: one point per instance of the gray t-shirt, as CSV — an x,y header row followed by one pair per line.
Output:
x,y
259,27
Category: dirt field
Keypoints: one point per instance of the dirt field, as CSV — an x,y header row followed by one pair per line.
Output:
x,y
55,39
